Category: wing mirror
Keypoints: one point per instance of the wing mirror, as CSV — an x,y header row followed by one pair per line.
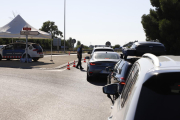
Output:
x,y
110,89
89,52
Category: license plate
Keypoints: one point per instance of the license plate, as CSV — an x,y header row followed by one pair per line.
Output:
x,y
104,71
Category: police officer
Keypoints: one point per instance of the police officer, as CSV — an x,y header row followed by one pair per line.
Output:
x,y
79,55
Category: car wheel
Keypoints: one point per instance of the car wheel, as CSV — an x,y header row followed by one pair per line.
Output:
x,y
89,78
0,57
35,59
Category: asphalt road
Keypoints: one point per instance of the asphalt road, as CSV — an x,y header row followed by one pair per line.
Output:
x,y
56,94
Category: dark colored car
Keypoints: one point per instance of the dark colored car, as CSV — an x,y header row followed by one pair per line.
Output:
x,y
99,61
140,48
151,92
119,74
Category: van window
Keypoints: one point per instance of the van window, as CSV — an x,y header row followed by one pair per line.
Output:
x,y
131,80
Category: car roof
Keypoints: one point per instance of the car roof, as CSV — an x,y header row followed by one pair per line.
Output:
x,y
144,43
100,52
103,48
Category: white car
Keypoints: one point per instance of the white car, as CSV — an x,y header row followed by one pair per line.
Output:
x,y
17,51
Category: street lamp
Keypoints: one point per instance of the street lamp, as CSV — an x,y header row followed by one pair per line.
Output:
x,y
64,22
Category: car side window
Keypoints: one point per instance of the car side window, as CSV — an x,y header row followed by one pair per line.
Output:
x,y
131,80
9,47
120,66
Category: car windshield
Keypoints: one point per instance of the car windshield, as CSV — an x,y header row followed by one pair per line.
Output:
x,y
106,56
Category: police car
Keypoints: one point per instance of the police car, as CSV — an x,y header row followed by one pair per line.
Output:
x,y
17,51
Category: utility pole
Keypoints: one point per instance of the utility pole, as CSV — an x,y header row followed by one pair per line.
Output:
x,y
64,23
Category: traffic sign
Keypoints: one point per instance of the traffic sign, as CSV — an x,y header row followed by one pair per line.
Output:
x,y
57,42
29,33
26,28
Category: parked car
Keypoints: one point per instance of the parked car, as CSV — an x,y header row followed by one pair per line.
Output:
x,y
99,49
119,74
17,50
151,92
140,48
99,61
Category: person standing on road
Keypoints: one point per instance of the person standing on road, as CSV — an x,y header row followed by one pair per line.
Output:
x,y
79,55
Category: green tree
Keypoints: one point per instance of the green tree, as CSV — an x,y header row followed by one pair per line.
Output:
x,y
163,23
78,43
50,27
117,46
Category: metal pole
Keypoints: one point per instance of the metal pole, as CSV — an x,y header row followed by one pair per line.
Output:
x,y
64,22
26,48
51,49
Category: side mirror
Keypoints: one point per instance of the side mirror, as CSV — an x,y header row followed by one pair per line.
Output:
x,y
89,52
110,89
87,57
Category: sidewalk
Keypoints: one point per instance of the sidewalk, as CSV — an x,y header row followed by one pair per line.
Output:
x,y
58,62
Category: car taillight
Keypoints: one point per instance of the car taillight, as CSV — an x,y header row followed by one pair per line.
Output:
x,y
122,81
92,64
35,50
95,63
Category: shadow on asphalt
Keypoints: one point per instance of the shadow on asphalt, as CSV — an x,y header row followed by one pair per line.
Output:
x,y
100,81
18,64
83,71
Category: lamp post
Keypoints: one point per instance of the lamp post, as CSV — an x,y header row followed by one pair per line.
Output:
x,y
64,22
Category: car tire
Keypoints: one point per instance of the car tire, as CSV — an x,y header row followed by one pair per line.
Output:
x,y
89,78
0,57
35,59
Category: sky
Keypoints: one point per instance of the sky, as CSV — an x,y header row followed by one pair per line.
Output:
x,y
93,22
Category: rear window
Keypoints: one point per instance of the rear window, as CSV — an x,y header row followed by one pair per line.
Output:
x,y
37,46
166,84
159,98
103,50
106,56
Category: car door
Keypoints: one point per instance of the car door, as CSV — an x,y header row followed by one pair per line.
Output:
x,y
116,72
19,49
122,104
8,51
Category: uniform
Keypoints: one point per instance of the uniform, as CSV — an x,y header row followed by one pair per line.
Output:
x,y
79,57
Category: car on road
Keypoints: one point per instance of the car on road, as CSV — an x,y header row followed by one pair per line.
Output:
x,y
99,61
17,50
99,49
151,92
140,48
119,74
